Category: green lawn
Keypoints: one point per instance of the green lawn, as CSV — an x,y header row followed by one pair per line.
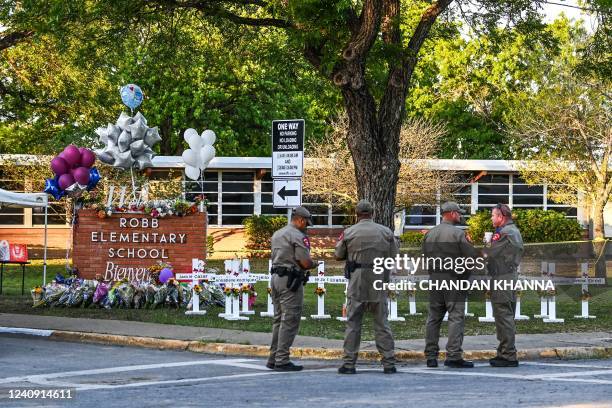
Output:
x,y
568,305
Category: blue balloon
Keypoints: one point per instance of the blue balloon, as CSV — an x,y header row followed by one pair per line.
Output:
x,y
131,95
52,187
94,178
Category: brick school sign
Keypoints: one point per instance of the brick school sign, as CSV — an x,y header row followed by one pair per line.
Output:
x,y
125,245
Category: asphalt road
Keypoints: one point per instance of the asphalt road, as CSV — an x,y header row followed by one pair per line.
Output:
x,y
111,376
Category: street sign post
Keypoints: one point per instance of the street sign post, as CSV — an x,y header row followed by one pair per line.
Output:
x,y
287,193
288,148
287,162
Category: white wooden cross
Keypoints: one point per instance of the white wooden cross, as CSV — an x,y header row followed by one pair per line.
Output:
x,y
270,311
321,299
584,269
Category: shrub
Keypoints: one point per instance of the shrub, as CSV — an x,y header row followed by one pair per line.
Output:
x,y
259,230
535,226
412,238
210,245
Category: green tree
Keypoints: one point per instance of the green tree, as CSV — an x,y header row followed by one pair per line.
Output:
x,y
368,49
472,83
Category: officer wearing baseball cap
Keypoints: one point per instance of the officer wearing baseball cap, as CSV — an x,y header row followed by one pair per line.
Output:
x,y
444,241
290,260
358,246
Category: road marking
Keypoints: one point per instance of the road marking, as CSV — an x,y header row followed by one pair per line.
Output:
x,y
571,374
543,377
533,363
22,330
109,370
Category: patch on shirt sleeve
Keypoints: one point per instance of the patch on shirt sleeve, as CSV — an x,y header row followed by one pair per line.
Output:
x,y
341,236
306,242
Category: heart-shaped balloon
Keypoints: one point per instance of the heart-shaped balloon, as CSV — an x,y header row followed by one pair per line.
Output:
x,y
193,139
191,158
209,137
192,172
207,153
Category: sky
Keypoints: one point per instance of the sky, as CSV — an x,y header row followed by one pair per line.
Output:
x,y
552,11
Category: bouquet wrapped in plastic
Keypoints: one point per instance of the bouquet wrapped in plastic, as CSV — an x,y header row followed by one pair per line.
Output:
x,y
125,293
160,296
100,294
76,295
150,292
53,291
172,297
139,296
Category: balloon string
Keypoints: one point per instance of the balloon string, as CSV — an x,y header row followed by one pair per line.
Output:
x,y
69,238
133,185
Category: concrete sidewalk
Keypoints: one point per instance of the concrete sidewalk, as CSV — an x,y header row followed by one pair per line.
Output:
x,y
255,343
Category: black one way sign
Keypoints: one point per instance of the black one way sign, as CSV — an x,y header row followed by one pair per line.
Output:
x,y
288,148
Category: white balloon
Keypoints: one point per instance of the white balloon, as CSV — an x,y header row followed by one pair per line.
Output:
x,y
193,139
192,172
209,137
191,158
206,154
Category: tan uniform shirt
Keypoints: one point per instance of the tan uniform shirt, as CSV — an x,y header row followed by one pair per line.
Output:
x,y
362,243
506,251
289,245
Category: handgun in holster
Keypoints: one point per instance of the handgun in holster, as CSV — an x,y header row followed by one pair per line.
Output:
x,y
297,277
349,268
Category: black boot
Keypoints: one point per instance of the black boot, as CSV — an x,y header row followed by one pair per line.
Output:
x,y
432,362
502,362
346,370
288,367
459,364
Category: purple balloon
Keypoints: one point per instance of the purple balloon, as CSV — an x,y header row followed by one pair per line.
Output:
x,y
72,155
59,166
88,158
81,175
165,275
65,181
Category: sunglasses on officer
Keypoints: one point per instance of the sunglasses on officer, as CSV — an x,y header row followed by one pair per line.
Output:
x,y
504,210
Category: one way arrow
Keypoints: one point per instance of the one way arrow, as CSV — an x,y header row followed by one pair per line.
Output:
x,y
287,193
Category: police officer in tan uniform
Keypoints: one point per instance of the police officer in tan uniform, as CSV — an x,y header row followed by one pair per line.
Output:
x,y
290,260
503,258
445,241
359,245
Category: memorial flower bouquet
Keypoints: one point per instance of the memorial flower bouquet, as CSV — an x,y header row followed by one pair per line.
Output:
x,y
586,295
321,291
37,294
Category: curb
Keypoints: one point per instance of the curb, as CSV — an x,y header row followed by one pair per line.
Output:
x,y
565,353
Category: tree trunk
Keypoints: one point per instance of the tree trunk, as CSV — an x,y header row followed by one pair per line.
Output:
x,y
165,130
598,219
598,235
374,149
